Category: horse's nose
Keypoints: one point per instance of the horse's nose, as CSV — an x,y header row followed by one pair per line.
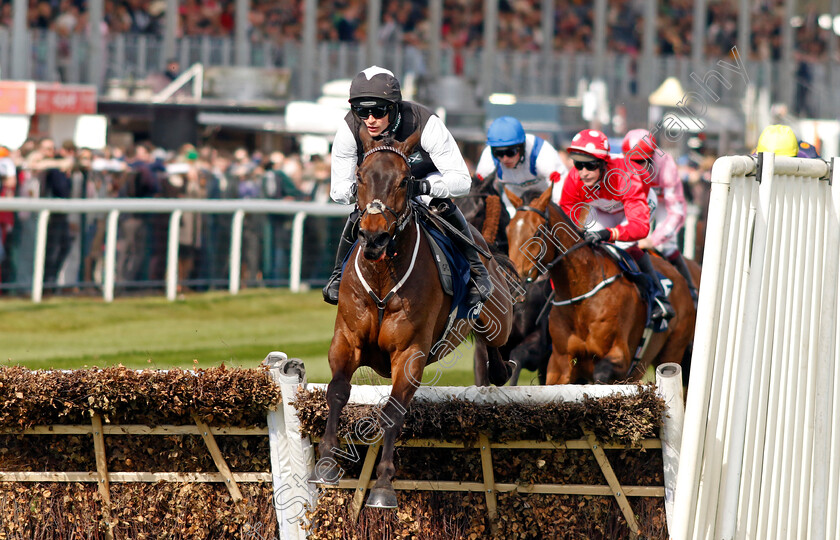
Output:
x,y
374,239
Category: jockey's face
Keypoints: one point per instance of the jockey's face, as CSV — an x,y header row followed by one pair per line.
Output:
x,y
376,126
508,156
589,172
374,113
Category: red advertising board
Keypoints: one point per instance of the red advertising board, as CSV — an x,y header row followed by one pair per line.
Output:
x,y
17,97
64,99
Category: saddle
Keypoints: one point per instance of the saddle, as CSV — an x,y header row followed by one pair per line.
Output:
x,y
647,289
453,267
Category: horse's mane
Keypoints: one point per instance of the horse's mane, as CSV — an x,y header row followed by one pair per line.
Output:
x,y
509,269
387,140
532,194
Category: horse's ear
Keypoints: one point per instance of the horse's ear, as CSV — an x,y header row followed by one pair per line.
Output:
x,y
514,200
542,202
364,136
407,146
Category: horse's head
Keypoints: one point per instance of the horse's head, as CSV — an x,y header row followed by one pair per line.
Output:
x,y
383,180
528,231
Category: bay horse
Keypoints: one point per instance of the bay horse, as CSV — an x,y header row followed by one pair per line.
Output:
x,y
392,311
529,345
595,336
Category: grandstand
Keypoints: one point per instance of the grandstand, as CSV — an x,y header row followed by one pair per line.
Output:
x,y
239,66
632,46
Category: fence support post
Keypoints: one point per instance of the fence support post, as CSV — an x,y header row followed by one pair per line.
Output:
x,y
109,274
102,471
489,479
172,255
236,251
218,459
40,255
364,479
297,251
612,480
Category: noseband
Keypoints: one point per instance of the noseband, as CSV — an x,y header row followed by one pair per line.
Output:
x,y
545,227
376,206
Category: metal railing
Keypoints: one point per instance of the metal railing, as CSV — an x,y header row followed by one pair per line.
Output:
x,y
175,208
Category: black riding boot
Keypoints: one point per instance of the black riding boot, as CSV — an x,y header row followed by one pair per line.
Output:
x,y
661,308
481,287
677,260
345,243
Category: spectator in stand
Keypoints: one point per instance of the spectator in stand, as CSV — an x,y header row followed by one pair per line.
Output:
x,y
191,239
136,245
8,186
249,186
55,171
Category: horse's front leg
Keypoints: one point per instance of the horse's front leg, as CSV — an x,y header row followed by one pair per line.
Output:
x,y
407,372
480,368
344,359
613,366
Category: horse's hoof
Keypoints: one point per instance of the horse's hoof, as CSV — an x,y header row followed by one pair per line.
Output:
x,y
382,498
318,477
500,372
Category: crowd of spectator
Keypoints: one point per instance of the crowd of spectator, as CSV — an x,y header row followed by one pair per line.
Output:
x,y
75,242
406,21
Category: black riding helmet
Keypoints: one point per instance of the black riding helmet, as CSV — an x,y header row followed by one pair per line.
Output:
x,y
375,86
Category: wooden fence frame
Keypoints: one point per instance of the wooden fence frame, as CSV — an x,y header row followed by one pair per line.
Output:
x,y
490,487
103,478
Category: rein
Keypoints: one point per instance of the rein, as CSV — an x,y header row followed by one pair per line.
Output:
x,y
603,283
376,206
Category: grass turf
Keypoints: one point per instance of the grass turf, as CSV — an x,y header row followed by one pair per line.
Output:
x,y
200,330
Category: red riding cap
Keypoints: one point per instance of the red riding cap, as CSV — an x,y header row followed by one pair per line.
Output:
x,y
590,142
638,144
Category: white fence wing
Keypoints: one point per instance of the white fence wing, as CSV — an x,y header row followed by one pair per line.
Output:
x,y
759,458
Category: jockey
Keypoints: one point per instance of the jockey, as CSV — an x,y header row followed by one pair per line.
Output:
x,y
521,162
659,173
376,105
781,140
611,200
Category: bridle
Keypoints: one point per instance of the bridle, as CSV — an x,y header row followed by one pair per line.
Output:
x,y
376,206
546,227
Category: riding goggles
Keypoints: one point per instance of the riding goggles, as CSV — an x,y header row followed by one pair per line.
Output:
x,y
379,111
588,165
505,151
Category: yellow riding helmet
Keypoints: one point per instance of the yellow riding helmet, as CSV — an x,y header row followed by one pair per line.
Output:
x,y
779,139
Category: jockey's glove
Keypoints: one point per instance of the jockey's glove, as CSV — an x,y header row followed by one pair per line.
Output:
x,y
419,187
596,237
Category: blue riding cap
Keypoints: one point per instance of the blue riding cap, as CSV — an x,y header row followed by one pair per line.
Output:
x,y
505,131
